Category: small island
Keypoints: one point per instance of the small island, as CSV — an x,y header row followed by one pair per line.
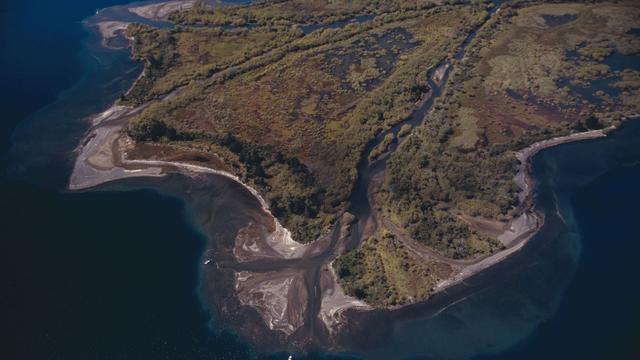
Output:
x,y
387,144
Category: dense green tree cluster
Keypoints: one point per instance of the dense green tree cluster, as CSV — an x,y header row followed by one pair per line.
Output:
x,y
426,177
383,273
292,191
293,195
151,130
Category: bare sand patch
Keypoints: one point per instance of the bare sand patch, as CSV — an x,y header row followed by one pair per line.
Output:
x,y
160,11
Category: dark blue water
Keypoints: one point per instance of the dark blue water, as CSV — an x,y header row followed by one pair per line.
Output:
x,y
40,41
93,275
102,275
599,315
113,274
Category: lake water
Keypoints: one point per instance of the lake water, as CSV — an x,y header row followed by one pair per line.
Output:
x,y
114,274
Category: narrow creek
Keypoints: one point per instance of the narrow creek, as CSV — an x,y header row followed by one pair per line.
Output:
x,y
368,170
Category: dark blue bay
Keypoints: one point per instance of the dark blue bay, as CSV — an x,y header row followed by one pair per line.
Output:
x,y
103,275
599,315
92,275
40,45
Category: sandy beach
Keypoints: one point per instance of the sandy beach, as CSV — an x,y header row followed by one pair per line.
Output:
x,y
524,227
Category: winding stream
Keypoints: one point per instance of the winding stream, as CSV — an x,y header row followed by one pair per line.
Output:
x,y
317,258
367,171
304,273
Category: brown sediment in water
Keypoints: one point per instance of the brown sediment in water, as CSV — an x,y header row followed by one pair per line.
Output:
x,y
109,30
273,276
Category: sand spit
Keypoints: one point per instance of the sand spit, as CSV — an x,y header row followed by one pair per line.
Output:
x,y
110,30
95,163
335,301
111,113
159,11
524,227
279,240
101,159
281,295
525,154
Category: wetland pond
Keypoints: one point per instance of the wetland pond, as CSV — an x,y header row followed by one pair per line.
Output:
x,y
617,63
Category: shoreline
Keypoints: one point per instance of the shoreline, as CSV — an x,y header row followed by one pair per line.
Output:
x,y
528,224
94,149
97,163
110,30
105,134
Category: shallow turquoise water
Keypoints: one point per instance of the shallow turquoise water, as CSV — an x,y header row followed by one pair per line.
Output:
x,y
114,274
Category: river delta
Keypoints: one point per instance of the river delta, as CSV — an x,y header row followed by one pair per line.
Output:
x,y
239,250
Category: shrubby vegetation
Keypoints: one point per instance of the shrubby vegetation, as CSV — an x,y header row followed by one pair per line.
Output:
x,y
151,130
382,147
500,98
383,273
293,11
178,56
293,101
157,49
425,177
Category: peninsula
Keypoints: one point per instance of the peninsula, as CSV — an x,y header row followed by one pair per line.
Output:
x,y
386,143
